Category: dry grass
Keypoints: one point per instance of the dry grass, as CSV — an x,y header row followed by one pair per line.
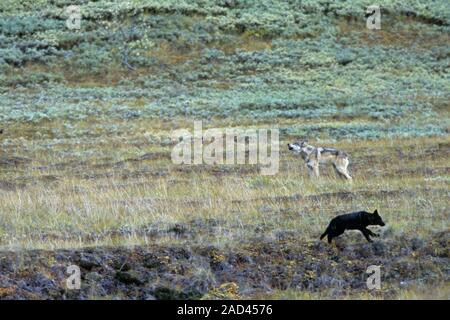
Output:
x,y
105,193
121,190
440,292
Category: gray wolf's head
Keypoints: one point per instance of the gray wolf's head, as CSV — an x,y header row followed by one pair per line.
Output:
x,y
375,219
297,147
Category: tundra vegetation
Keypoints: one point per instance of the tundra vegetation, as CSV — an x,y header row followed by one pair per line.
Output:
x,y
86,176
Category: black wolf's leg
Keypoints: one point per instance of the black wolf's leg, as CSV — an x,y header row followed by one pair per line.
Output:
x,y
330,237
365,232
373,234
324,234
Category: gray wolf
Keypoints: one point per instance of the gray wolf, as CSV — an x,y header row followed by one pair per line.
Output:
x,y
314,156
353,221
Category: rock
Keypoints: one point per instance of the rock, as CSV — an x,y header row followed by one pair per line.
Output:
x,y
379,248
151,261
344,57
121,265
165,293
88,262
93,277
417,243
129,277
47,286
177,229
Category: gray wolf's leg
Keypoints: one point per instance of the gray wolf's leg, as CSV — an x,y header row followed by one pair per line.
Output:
x,y
341,169
338,172
316,170
313,168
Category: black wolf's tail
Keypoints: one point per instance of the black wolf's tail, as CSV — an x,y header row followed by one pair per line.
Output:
x,y
324,234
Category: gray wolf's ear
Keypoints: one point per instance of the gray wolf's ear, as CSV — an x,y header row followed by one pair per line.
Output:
x,y
375,212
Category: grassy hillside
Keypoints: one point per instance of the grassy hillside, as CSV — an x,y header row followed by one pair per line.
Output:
x,y
85,168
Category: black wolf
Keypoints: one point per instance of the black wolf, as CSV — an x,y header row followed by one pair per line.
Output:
x,y
353,221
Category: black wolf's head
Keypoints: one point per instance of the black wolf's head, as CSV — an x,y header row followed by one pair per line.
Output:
x,y
375,219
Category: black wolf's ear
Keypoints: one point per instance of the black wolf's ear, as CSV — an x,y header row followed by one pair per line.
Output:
x,y
375,212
